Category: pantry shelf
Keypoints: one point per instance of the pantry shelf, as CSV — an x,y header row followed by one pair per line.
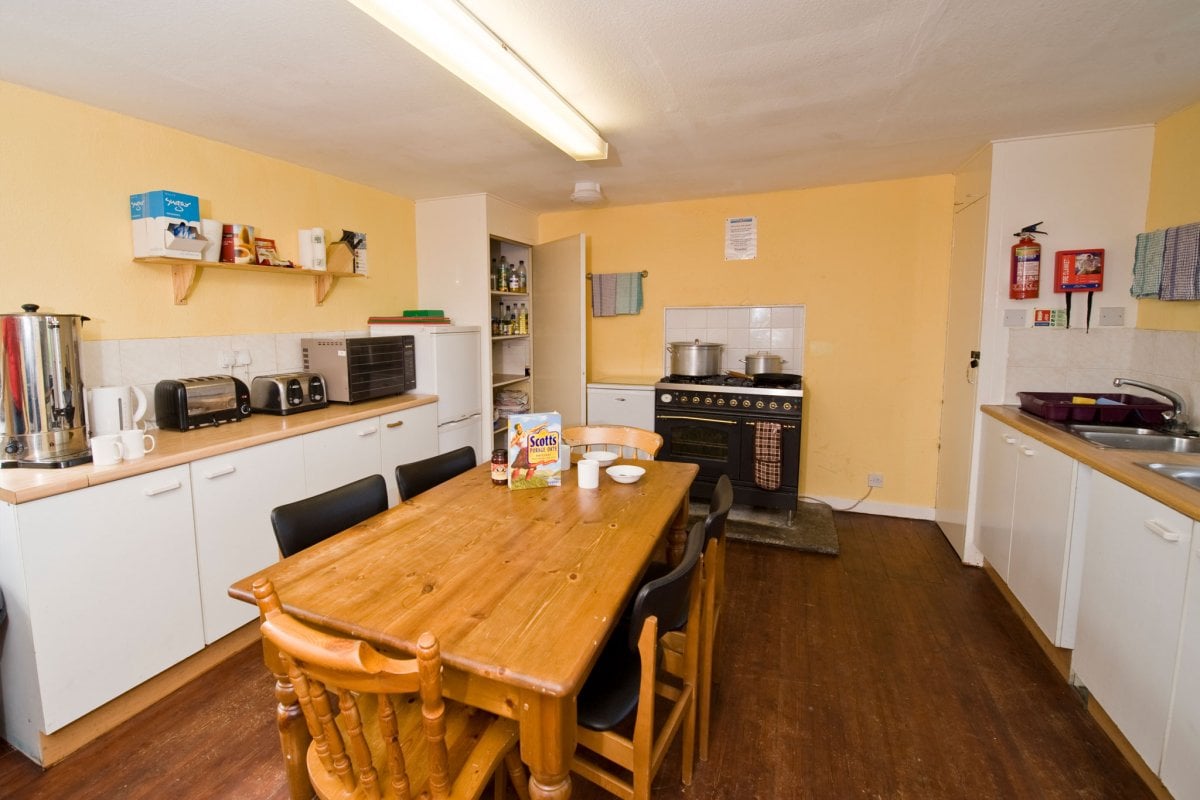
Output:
x,y
506,380
185,274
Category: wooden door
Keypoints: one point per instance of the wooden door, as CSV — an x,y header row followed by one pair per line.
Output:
x,y
559,328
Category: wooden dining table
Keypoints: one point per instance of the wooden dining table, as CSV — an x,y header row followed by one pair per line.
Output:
x,y
521,587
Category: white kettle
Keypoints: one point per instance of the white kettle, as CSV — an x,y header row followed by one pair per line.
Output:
x,y
112,409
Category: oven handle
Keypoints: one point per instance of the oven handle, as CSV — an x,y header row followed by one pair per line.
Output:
x,y
698,419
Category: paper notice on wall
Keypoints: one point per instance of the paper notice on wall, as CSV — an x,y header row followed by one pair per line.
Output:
x,y
741,238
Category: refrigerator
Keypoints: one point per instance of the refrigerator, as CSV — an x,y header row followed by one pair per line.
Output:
x,y
447,359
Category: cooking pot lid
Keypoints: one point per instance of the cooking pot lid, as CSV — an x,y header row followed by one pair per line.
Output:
x,y
696,343
31,310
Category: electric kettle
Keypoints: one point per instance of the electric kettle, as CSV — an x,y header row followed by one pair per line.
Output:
x,y
112,409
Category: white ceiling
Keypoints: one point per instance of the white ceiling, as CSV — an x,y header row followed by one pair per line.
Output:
x,y
697,98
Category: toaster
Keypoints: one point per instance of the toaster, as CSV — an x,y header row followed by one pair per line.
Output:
x,y
287,393
187,403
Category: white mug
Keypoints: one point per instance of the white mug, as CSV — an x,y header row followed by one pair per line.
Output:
x,y
589,474
107,449
564,458
136,443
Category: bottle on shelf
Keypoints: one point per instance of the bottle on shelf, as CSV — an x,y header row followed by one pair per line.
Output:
x,y
495,275
504,275
522,277
514,282
508,320
522,321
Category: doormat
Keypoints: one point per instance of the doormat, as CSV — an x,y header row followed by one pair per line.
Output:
x,y
812,529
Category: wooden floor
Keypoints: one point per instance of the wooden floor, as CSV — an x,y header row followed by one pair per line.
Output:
x,y
890,671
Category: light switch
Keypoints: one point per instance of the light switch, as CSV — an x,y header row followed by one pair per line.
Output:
x,y
1113,315
1014,318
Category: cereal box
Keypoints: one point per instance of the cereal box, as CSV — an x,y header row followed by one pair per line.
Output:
x,y
533,450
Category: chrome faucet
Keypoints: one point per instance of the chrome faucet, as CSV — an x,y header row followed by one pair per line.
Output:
x,y
1177,418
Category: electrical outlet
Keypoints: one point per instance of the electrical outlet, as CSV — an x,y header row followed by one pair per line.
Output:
x,y
1113,315
226,359
875,479
1014,318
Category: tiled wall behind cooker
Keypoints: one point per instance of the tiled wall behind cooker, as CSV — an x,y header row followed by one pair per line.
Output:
x,y
1074,360
742,329
145,362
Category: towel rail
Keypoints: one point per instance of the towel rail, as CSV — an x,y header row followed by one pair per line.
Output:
x,y
644,273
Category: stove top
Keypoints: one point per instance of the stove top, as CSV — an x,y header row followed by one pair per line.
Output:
x,y
720,382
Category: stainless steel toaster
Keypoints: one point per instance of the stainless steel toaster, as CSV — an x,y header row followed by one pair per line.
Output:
x,y
189,403
288,393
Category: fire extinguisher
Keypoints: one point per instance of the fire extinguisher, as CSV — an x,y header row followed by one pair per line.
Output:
x,y
1026,270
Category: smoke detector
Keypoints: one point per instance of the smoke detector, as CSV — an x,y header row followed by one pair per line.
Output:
x,y
586,193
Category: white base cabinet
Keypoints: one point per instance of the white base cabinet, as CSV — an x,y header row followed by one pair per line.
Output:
x,y
336,456
1134,572
1027,513
233,495
408,435
111,577
629,405
1181,759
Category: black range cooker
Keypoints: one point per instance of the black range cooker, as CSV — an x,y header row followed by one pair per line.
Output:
x,y
716,422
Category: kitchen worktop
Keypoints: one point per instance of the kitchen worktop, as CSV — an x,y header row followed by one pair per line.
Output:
x,y
1121,465
20,485
623,381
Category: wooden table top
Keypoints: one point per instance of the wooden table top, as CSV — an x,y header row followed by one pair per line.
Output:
x,y
519,586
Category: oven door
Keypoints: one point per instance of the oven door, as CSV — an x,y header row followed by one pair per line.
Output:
x,y
711,441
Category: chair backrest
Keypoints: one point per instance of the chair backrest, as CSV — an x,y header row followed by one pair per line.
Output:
x,y
365,684
629,442
668,597
305,522
420,476
718,509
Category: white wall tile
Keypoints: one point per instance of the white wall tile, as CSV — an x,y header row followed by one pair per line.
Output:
x,y
675,318
781,337
695,317
760,339
717,335
739,317
716,318
760,317
782,317
262,352
287,352
739,337
100,363
200,355
150,360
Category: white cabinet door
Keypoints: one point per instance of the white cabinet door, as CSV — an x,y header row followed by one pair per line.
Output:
x,y
1181,760
233,495
997,487
1134,569
633,406
336,456
112,581
408,435
1041,533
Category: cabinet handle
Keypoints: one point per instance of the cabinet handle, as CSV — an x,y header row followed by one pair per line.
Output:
x,y
168,487
1027,451
1161,530
217,473
395,424
619,399
1008,439
368,432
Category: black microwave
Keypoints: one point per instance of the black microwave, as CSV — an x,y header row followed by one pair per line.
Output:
x,y
362,367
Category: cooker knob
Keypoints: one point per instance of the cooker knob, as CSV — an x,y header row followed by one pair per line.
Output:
x,y
758,404
708,401
720,401
787,406
774,404
665,397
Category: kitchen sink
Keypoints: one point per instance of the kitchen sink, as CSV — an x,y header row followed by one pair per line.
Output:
x,y
1120,438
1188,474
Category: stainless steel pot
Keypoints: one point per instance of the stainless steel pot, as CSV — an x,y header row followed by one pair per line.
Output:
x,y
763,362
41,390
695,358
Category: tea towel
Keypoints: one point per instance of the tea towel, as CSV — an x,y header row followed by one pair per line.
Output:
x,y
1147,264
1181,252
766,455
604,295
629,293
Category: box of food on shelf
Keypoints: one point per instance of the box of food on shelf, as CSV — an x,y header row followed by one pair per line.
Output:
x,y
166,223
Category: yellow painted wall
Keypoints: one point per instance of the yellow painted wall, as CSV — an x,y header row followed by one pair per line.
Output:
x,y
870,263
66,173
1174,200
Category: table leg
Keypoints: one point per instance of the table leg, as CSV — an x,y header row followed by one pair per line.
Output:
x,y
547,744
677,537
293,732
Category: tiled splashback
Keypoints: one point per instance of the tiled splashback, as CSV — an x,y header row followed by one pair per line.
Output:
x,y
145,362
743,330
1057,360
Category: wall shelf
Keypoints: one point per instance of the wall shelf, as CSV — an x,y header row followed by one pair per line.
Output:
x,y
185,273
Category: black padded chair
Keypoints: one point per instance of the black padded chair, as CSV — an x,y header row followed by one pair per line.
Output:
x,y
420,476
631,667
305,522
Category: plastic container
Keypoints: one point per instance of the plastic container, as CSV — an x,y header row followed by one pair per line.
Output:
x,y
1117,409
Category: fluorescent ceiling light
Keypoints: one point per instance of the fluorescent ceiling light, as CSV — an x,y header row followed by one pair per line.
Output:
x,y
452,36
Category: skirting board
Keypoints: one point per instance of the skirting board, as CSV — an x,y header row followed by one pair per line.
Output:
x,y
882,509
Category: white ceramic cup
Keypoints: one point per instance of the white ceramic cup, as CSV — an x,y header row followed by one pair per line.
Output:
x,y
136,443
564,458
107,449
589,474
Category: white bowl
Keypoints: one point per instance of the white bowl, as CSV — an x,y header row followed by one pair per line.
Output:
x,y
626,473
603,456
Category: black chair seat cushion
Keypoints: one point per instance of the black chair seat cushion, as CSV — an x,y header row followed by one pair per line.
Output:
x,y
610,693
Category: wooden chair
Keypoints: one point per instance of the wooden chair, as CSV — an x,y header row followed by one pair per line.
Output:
x,y
420,476
628,442
305,522
392,735
713,582
626,678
